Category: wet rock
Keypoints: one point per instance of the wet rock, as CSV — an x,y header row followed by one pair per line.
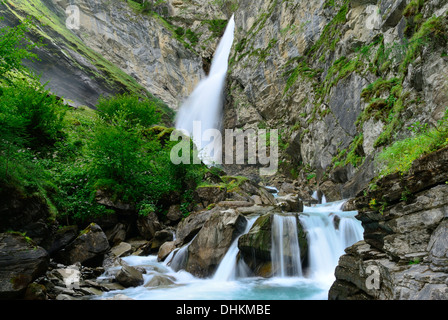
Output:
x,y
212,242
256,245
165,250
160,281
129,277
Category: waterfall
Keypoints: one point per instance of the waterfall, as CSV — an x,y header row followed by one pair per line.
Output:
x,y
229,268
204,106
285,252
329,231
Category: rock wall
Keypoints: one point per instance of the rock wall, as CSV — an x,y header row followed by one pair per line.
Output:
x,y
306,68
404,254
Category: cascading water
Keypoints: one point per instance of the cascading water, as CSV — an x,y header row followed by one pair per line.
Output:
x,y
204,106
285,252
230,267
328,237
329,231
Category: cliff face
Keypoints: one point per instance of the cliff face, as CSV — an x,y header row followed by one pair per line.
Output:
x,y
117,47
404,254
339,79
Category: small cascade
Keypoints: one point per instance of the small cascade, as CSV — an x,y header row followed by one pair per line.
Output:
x,y
177,259
285,252
229,268
329,231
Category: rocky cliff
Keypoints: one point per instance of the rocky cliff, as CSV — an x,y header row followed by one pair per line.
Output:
x,y
341,80
404,254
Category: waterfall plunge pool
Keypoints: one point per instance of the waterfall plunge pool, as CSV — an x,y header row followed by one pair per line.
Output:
x,y
327,240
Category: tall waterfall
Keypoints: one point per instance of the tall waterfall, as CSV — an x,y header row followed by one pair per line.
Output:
x,y
204,106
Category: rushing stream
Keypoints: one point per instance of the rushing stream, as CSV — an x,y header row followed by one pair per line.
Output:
x,y
327,239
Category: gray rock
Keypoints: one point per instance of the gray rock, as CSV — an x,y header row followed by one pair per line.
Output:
x,y
21,262
148,225
129,277
88,248
212,242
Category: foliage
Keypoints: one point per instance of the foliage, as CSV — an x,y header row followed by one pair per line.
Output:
x,y
14,48
66,155
401,154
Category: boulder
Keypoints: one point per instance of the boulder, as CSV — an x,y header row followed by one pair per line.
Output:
x,y
290,203
174,214
122,250
88,248
190,226
256,245
148,225
210,194
117,234
160,280
129,276
21,262
266,197
62,237
165,250
212,242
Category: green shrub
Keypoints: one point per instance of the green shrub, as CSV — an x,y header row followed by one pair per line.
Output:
x,y
135,110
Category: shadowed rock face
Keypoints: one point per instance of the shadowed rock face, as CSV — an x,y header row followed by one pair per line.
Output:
x,y
21,262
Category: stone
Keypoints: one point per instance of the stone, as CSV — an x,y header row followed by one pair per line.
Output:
x,y
21,262
62,237
117,234
291,203
148,225
190,226
174,214
89,248
210,195
165,250
35,291
212,242
129,276
160,281
122,250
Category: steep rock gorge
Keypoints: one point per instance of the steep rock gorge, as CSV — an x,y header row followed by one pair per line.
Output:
x,y
339,79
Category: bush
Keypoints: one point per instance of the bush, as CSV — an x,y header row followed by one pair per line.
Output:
x,y
131,108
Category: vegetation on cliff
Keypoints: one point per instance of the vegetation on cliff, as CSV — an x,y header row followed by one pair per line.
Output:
x,y
66,155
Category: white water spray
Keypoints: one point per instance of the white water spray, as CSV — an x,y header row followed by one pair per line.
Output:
x,y
285,252
204,105
229,268
328,237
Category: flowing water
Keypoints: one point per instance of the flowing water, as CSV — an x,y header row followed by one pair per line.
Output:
x,y
204,106
329,232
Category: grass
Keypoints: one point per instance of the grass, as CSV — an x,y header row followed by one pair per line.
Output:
x,y
400,156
